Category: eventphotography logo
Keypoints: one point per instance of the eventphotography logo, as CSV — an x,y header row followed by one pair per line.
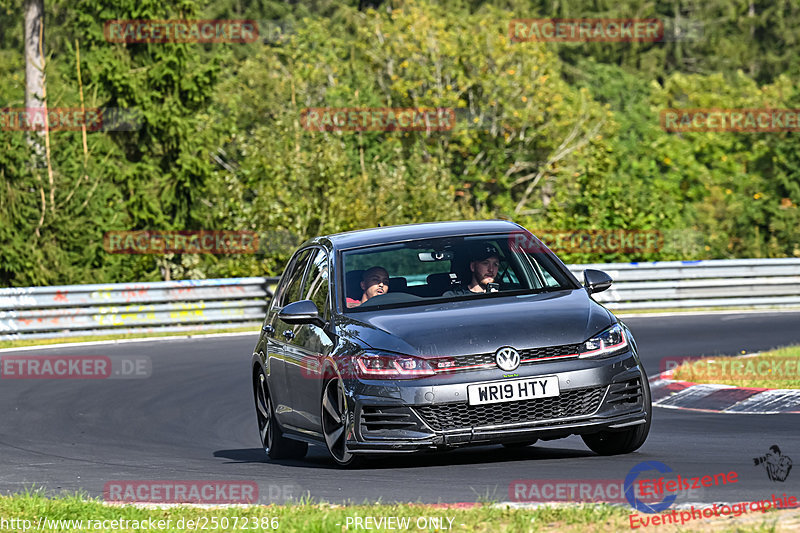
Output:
x,y
666,490
776,464
377,119
181,242
741,120
712,511
586,30
638,503
75,367
181,31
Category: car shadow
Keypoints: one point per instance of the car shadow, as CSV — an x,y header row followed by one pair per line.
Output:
x,y
244,455
318,458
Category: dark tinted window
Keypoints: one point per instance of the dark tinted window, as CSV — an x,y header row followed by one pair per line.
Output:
x,y
289,290
453,268
316,286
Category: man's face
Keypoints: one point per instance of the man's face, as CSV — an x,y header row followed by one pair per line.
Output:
x,y
375,283
485,271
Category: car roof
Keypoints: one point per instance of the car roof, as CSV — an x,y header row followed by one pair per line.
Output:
x,y
386,234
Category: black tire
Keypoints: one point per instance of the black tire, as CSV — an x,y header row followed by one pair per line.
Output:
x,y
617,442
335,415
275,444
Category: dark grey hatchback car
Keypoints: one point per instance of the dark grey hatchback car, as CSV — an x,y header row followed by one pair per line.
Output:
x,y
434,336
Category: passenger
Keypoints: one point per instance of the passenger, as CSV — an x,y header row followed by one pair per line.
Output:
x,y
484,265
374,281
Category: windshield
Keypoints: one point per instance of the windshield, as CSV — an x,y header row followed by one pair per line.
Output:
x,y
452,268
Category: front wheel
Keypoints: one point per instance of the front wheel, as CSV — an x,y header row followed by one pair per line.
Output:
x,y
618,442
626,440
335,421
275,444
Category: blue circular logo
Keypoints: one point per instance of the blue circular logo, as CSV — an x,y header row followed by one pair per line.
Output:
x,y
638,504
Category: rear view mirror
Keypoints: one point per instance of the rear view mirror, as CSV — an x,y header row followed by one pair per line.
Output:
x,y
301,312
435,256
596,280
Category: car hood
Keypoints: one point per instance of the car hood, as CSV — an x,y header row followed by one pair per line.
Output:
x,y
481,326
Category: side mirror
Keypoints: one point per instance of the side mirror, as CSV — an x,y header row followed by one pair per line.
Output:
x,y
596,280
301,312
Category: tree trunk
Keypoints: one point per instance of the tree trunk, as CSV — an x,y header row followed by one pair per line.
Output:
x,y
34,67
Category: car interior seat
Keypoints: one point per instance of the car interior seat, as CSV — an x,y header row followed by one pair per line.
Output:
x,y
442,282
352,284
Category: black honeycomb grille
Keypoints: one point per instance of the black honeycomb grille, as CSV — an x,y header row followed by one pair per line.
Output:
x,y
550,351
576,402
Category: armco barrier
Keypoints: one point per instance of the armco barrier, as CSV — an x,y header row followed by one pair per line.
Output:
x,y
168,306
193,305
713,283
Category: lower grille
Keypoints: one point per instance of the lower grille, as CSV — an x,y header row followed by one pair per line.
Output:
x,y
626,393
379,420
576,402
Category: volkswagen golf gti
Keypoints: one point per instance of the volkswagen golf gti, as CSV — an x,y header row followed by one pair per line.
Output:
x,y
433,336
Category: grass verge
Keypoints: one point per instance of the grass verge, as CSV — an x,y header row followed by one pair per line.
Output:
x,y
775,369
50,515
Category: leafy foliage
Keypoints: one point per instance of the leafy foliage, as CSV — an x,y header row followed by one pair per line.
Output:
x,y
551,135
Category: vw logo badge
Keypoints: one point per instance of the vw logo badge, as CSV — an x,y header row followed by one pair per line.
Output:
x,y
507,358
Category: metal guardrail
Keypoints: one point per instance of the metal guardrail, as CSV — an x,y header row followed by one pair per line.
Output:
x,y
166,306
713,283
196,305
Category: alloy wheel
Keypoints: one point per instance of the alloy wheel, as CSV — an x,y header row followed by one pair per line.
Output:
x,y
264,413
335,421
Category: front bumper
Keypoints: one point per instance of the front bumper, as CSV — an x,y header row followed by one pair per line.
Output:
x,y
433,413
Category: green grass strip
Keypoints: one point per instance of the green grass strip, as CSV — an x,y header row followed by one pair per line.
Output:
x,y
33,511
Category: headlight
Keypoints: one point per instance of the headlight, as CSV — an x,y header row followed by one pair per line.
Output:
x,y
390,366
608,342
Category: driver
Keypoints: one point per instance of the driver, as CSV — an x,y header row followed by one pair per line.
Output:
x,y
374,281
484,266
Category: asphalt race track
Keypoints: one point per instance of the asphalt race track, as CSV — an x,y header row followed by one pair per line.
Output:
x,y
193,419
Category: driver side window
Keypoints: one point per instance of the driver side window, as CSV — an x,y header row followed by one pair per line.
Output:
x,y
289,291
317,282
